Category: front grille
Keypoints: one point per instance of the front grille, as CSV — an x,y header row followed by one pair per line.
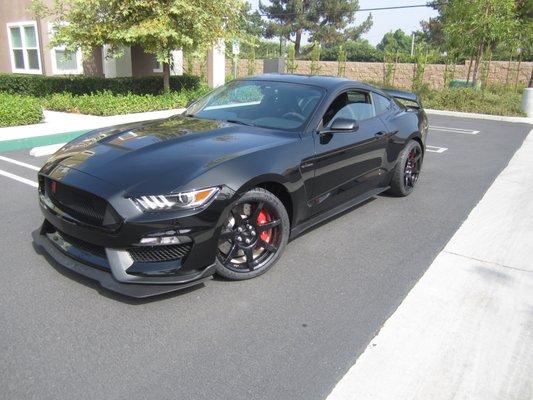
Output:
x,y
160,253
84,206
83,245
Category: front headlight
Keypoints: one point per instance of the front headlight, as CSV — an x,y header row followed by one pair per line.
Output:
x,y
178,201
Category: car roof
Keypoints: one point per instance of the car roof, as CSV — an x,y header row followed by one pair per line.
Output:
x,y
323,81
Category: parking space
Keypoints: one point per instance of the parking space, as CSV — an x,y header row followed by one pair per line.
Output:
x,y
289,334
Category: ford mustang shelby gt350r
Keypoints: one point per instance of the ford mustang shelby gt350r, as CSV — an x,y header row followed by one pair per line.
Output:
x,y
151,207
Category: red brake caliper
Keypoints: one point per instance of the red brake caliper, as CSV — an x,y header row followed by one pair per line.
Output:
x,y
262,218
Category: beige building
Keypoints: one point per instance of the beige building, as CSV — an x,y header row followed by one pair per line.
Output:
x,y
25,48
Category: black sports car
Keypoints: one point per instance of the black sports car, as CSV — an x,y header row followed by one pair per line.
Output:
x,y
151,207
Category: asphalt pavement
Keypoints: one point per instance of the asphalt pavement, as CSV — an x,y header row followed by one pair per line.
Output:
x,y
289,334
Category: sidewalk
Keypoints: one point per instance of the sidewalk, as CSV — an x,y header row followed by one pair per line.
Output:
x,y
59,127
465,331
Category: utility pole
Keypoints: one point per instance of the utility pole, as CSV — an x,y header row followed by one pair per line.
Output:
x,y
412,44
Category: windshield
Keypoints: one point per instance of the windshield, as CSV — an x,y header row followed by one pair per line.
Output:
x,y
276,105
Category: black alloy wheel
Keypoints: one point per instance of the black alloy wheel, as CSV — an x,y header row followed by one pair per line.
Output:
x,y
412,168
253,237
407,170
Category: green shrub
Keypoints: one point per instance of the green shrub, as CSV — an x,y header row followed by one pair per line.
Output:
x,y
494,101
19,110
40,86
106,103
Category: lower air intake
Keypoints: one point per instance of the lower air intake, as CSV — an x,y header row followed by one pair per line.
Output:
x,y
160,253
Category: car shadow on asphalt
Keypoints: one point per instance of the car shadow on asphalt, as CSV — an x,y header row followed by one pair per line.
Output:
x,y
333,218
134,301
105,292
314,227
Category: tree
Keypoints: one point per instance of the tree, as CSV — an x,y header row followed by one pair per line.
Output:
x,y
432,32
252,23
159,27
397,41
326,21
478,25
356,50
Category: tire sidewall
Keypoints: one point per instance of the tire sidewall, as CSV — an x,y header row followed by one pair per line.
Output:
x,y
398,178
256,195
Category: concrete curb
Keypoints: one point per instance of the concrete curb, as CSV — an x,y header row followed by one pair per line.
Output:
x,y
480,116
464,331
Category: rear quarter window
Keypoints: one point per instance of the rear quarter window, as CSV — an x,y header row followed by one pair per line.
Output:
x,y
381,103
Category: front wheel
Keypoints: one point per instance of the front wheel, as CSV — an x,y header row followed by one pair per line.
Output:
x,y
407,169
253,236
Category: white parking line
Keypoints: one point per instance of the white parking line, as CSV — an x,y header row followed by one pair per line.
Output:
x,y
18,178
22,164
436,149
453,130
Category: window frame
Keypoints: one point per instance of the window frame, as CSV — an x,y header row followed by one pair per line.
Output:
x,y
346,91
386,109
21,25
53,57
159,68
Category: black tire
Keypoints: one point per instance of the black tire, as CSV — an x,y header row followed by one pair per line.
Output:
x,y
407,169
237,260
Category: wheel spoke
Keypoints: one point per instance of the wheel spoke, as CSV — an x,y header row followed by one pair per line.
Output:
x,y
268,246
237,217
233,251
256,212
226,235
248,253
268,225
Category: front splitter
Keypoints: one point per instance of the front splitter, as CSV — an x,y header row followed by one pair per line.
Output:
x,y
105,279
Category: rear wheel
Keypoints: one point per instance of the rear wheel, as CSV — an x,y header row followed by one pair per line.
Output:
x,y
253,236
407,170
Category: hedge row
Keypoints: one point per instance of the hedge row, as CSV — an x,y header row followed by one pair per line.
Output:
x,y
107,103
19,110
40,86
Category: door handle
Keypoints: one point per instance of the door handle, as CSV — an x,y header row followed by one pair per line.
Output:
x,y
381,133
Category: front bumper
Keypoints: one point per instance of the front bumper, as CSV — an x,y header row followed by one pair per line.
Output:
x,y
88,265
78,234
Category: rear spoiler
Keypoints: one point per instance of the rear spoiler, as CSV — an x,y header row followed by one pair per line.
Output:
x,y
405,96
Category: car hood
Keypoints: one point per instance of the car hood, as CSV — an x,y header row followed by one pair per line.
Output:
x,y
161,155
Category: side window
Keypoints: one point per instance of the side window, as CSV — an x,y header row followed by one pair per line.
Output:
x,y
381,103
350,105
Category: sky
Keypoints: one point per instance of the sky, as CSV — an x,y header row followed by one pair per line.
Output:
x,y
388,20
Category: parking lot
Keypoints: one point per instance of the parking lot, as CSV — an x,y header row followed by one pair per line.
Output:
x,y
289,334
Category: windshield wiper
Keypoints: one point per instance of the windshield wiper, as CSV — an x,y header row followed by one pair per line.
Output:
x,y
235,121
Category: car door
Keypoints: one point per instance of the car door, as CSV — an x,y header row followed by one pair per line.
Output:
x,y
350,163
394,118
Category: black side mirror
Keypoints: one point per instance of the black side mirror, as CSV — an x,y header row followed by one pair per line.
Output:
x,y
344,124
339,125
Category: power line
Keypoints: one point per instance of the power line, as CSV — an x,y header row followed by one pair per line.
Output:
x,y
359,10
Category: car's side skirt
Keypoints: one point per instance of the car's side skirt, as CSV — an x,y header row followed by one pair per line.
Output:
x,y
299,229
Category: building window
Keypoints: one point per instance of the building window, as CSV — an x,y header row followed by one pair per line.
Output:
x,y
24,47
65,62
157,65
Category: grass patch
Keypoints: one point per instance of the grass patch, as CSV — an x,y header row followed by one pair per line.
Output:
x,y
19,110
106,103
